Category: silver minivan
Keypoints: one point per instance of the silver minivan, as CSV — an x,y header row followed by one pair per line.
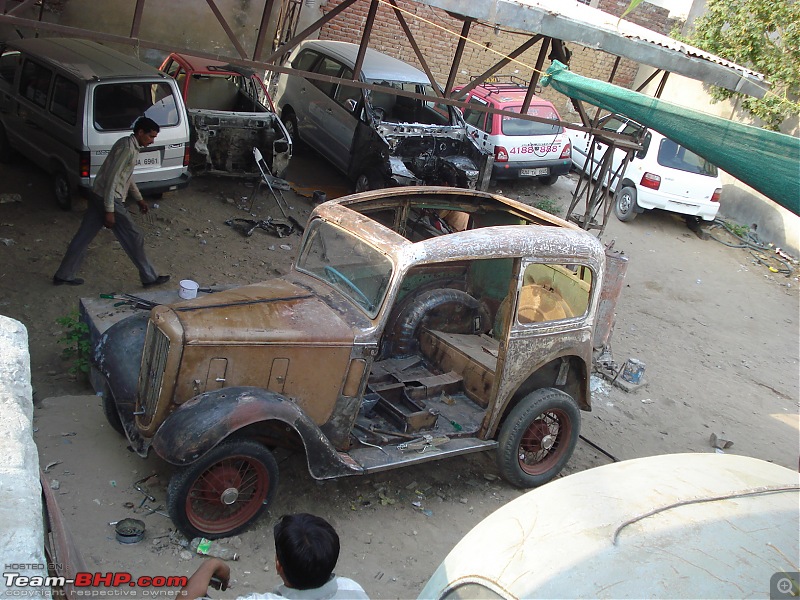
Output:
x,y
378,138
64,102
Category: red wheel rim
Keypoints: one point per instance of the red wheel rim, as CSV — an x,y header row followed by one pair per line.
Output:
x,y
227,495
544,442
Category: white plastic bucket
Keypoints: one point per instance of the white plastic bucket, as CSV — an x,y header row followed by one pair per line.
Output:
x,y
188,289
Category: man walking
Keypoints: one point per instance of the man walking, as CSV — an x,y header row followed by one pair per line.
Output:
x,y
107,209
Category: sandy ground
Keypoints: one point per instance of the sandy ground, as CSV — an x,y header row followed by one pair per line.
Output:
x,y
718,334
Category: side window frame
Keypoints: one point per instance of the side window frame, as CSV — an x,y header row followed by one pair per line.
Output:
x,y
65,106
554,287
31,83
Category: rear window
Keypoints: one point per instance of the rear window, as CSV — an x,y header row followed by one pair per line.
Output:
x,y
118,105
675,156
512,126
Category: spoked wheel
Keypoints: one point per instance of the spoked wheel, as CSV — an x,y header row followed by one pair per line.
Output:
x,y
224,491
538,437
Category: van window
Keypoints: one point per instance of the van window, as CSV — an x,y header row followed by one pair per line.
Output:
x,y
64,104
675,156
35,83
512,126
345,93
118,105
8,65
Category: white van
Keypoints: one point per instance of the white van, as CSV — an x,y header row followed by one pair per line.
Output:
x,y
663,174
64,102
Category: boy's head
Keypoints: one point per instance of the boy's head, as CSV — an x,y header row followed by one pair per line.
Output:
x,y
306,548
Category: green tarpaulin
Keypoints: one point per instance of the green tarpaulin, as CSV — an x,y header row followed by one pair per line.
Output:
x,y
765,160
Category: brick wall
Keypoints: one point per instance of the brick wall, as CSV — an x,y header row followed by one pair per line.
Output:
x,y
436,33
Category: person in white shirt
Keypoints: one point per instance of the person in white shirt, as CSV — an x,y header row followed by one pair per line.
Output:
x,y
306,551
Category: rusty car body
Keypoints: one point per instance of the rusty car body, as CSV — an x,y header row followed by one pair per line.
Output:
x,y
230,113
378,138
395,339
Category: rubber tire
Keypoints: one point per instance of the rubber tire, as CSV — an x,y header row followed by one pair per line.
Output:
x,y
6,151
517,423
290,122
548,179
370,179
184,479
62,190
110,411
625,204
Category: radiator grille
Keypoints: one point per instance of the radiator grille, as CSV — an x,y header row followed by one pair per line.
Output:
x,y
151,375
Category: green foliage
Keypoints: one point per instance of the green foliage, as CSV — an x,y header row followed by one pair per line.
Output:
x,y
761,35
77,346
737,229
547,205
633,4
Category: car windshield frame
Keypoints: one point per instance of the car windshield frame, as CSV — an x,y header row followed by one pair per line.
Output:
x,y
351,265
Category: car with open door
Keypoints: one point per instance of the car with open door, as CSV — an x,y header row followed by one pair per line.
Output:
x,y
396,338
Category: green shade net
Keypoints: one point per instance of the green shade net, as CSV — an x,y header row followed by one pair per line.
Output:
x,y
765,160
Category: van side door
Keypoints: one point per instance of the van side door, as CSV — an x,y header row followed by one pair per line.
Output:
x,y
479,123
30,129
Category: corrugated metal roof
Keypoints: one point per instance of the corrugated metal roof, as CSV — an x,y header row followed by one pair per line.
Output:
x,y
572,21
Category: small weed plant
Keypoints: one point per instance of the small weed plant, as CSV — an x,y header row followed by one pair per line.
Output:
x,y
547,205
737,229
77,347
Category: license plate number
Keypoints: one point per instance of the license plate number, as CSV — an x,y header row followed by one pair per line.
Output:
x,y
148,160
534,172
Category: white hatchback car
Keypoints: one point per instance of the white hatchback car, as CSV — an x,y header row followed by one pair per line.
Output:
x,y
663,174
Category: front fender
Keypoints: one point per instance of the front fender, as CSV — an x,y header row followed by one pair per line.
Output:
x,y
203,422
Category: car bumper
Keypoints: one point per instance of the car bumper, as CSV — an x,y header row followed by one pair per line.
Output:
x,y
512,170
704,209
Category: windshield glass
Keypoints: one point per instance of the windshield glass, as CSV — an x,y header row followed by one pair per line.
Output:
x,y
346,262
388,106
512,126
675,156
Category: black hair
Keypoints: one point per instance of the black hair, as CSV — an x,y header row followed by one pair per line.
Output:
x,y
146,124
307,547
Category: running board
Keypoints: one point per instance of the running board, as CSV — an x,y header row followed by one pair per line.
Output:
x,y
373,459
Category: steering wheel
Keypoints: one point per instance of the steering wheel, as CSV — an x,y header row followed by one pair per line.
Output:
x,y
333,274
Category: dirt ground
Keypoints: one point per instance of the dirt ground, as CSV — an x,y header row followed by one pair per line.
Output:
x,y
717,331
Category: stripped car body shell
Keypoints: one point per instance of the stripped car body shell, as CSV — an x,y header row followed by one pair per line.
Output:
x,y
230,113
383,323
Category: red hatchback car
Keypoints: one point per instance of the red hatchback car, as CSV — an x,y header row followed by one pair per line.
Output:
x,y
521,148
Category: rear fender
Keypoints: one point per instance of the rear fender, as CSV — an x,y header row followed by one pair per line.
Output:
x,y
206,420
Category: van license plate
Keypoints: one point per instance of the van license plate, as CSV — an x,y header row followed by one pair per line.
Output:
x,y
148,160
534,172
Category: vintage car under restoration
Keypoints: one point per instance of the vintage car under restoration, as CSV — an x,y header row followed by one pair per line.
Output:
x,y
416,324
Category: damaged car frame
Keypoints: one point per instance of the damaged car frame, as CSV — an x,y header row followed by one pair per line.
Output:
x,y
395,339
230,113
378,138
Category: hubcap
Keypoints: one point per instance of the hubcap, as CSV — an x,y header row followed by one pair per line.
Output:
x,y
625,203
229,496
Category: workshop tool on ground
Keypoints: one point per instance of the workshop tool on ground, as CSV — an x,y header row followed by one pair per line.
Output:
x,y
131,300
157,510
266,176
280,227
137,485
